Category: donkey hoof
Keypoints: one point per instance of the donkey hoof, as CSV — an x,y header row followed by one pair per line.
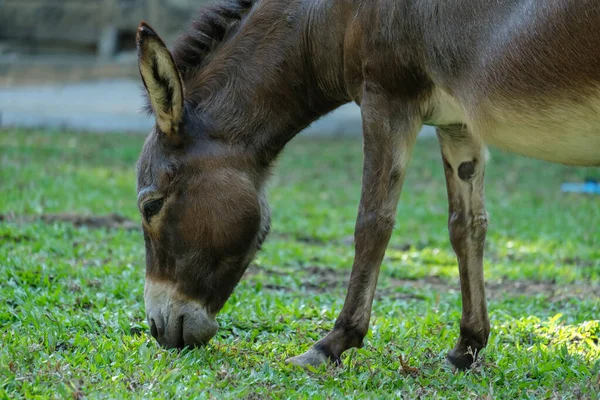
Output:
x,y
312,357
460,359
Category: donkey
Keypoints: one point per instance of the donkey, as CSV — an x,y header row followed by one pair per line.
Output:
x,y
522,75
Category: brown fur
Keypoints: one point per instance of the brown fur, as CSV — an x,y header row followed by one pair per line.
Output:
x,y
255,73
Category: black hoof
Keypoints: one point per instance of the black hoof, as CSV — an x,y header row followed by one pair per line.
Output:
x,y
461,359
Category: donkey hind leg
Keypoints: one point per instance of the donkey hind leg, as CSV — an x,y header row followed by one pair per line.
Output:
x,y
388,143
464,157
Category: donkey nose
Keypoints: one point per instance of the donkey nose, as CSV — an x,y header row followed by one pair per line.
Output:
x,y
182,331
176,321
185,330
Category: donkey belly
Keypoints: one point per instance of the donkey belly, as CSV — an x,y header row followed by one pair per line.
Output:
x,y
565,132
529,81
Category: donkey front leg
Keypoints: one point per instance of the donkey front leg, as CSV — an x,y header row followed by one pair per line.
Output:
x,y
389,131
464,159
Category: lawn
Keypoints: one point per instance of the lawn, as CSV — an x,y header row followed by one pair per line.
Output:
x,y
72,273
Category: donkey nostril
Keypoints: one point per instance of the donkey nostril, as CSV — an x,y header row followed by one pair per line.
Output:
x,y
180,342
153,329
157,327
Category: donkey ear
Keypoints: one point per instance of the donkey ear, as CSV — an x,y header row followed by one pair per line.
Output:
x,y
161,79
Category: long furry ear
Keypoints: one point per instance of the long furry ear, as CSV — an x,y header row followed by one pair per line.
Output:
x,y
161,79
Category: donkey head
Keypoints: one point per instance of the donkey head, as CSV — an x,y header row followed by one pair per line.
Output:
x,y
204,214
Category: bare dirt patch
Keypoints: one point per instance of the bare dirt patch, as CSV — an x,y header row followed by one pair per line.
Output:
x,y
110,221
329,279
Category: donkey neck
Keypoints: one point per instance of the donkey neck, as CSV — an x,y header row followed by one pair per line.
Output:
x,y
262,86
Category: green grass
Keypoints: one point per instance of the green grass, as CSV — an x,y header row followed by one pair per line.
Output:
x,y
71,297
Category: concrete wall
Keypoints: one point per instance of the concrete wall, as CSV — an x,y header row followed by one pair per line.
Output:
x,y
84,22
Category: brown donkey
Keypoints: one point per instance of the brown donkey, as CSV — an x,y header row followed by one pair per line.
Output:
x,y
523,75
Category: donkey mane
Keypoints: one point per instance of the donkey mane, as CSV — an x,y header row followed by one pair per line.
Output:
x,y
213,27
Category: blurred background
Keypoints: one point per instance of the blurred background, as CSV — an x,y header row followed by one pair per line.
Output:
x,y
71,64
67,40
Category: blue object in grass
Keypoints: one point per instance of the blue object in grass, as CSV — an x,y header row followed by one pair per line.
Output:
x,y
591,186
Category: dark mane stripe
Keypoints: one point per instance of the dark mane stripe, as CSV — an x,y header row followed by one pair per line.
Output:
x,y
207,32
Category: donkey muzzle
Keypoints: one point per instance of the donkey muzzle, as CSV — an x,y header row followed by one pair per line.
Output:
x,y
176,321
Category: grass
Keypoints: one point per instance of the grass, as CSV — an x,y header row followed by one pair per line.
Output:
x,y
71,294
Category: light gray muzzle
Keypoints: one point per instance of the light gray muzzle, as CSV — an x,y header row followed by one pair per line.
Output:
x,y
174,320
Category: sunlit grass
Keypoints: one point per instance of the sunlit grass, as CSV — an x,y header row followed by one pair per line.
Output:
x,y
71,298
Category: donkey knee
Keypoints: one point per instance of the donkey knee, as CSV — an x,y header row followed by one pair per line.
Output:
x,y
479,226
462,227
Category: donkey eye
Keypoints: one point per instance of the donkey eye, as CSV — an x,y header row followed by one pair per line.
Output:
x,y
152,208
